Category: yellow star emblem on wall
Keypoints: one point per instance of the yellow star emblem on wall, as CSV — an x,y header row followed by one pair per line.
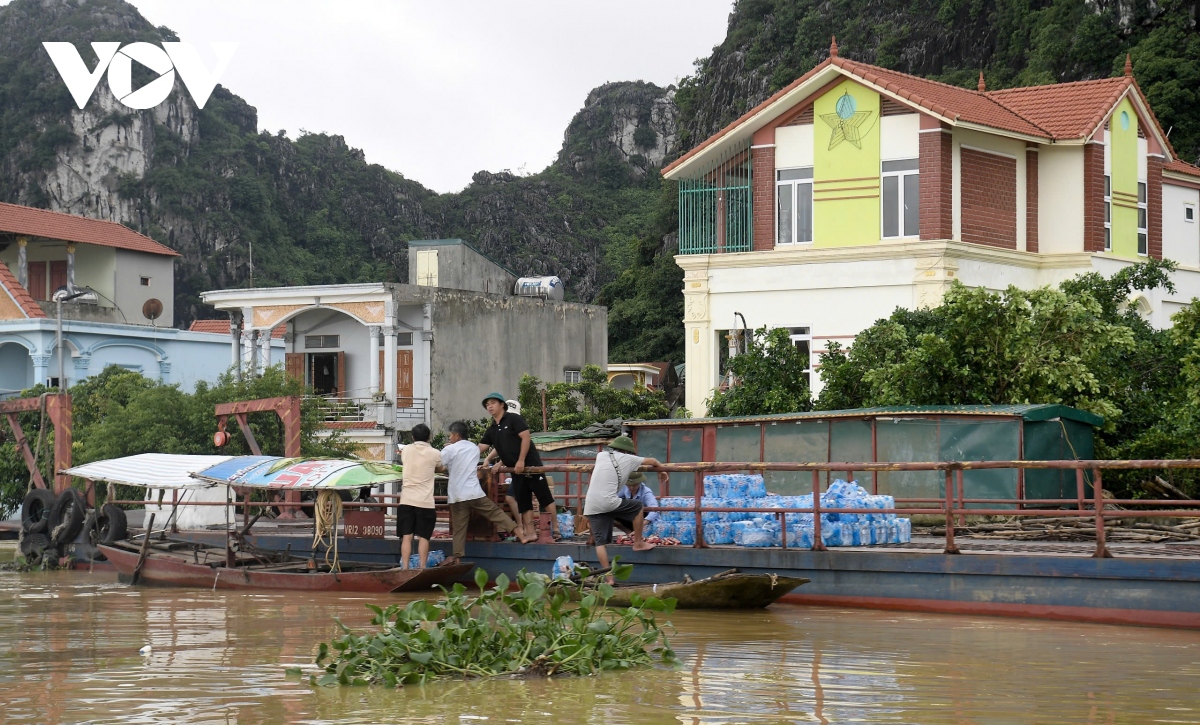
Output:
x,y
846,129
846,121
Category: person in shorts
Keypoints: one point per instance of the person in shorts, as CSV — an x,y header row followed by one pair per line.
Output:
x,y
636,489
416,515
508,439
465,495
603,506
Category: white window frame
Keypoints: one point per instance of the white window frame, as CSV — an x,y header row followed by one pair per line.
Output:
x,y
794,182
900,174
1107,213
1189,213
572,375
803,333
1143,232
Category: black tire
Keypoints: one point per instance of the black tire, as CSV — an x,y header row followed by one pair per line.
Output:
x,y
36,547
66,518
35,510
111,525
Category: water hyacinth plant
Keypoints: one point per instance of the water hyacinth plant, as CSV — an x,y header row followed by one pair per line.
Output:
x,y
542,629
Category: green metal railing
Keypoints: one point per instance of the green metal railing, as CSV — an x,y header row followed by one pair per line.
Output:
x,y
716,209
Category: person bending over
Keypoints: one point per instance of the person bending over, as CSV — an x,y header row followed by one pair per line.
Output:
x,y
508,439
416,514
637,490
603,506
461,460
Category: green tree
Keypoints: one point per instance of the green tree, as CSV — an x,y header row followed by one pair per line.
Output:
x,y
572,406
771,376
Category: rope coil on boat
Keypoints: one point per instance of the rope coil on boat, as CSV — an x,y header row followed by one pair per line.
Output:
x,y
326,512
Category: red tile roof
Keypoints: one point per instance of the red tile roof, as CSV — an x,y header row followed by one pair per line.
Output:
x,y
32,222
1182,167
1065,110
18,294
221,327
952,102
1052,112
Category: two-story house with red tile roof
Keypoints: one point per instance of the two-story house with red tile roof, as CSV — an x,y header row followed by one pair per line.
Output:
x,y
856,189
125,316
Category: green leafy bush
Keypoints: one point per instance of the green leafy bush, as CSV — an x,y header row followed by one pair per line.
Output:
x,y
540,629
572,406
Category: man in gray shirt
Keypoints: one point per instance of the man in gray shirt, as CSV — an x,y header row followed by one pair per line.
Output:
x,y
614,465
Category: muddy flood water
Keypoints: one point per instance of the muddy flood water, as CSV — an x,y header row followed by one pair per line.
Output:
x,y
71,641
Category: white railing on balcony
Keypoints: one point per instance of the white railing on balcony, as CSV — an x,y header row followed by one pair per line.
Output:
x,y
404,413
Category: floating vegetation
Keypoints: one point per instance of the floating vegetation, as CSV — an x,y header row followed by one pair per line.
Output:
x,y
534,631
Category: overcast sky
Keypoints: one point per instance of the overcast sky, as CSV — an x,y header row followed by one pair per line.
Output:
x,y
440,90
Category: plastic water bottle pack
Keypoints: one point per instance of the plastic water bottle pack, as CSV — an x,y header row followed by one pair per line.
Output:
x,y
566,525
436,556
564,566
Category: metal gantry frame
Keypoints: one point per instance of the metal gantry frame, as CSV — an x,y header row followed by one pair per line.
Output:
x,y
57,408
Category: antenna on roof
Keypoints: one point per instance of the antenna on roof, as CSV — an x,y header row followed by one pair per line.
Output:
x,y
1128,66
982,86
833,47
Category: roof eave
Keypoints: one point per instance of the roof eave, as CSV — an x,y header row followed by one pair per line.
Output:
x,y
1028,138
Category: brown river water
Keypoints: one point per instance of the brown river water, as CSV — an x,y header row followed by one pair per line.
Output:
x,y
71,641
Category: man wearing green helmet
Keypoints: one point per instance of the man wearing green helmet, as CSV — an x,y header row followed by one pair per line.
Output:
x,y
604,506
508,439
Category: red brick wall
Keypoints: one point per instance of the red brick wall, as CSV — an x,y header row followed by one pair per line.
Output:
x,y
1154,165
936,179
989,199
762,160
1093,197
1031,199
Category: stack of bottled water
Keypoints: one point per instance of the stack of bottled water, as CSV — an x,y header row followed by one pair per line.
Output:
x,y
436,556
755,529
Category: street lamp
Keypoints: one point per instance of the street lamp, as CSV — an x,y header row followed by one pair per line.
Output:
x,y
61,296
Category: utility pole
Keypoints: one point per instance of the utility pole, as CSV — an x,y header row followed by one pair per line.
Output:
x,y
60,297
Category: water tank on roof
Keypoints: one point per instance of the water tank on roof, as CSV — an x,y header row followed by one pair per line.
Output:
x,y
548,288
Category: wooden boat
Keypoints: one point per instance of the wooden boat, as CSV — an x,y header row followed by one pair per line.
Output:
x,y
179,563
728,590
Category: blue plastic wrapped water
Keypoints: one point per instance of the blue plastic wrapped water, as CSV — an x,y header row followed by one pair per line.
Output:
x,y
719,532
564,566
566,525
436,556
761,537
685,532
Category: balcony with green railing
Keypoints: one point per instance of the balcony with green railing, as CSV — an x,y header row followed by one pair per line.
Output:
x,y
716,209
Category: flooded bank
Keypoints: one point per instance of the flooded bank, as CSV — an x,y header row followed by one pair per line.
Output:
x,y
71,641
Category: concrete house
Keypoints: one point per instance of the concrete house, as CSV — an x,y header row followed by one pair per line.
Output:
x,y
389,356
857,189
126,318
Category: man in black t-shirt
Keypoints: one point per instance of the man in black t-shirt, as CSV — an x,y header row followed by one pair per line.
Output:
x,y
508,438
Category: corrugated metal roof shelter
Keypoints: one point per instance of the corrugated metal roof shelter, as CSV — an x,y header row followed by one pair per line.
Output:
x,y
892,434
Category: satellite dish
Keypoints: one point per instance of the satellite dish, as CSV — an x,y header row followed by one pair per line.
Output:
x,y
152,309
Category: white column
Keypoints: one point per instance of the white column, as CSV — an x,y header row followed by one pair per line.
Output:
x,y
235,334
265,340
254,352
389,363
373,331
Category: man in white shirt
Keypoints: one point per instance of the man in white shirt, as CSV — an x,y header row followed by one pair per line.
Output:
x,y
416,515
614,465
461,460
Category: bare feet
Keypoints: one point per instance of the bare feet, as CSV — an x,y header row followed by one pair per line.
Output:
x,y
450,561
526,539
642,546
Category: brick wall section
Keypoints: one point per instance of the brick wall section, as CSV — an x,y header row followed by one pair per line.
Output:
x,y
1031,199
936,179
989,199
1154,166
762,162
1093,197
